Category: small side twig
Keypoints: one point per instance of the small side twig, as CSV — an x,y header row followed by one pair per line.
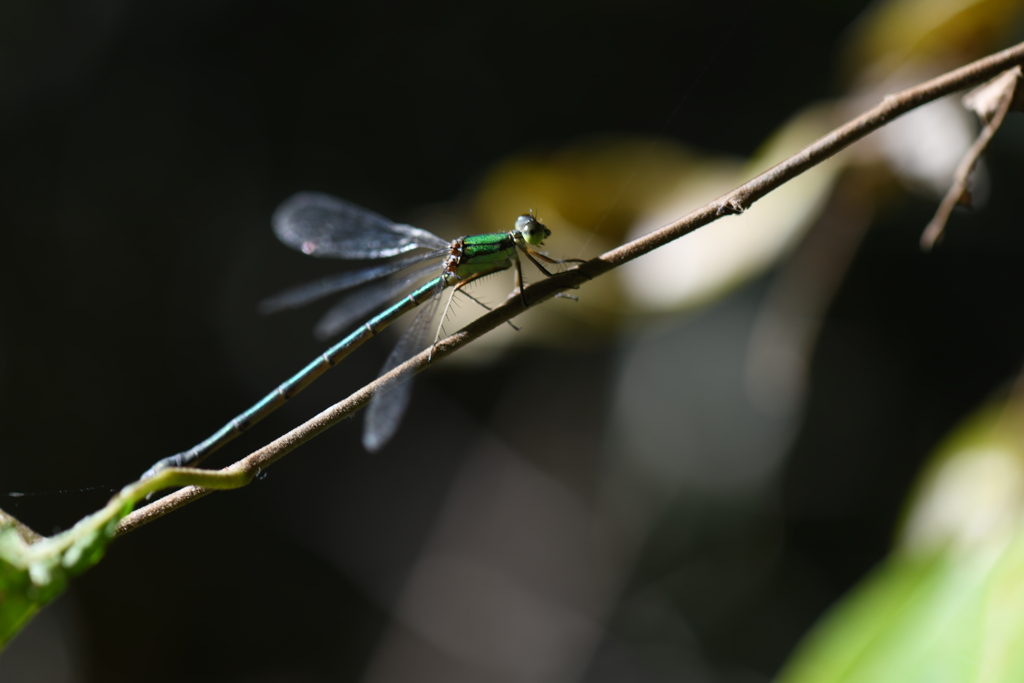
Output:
x,y
1005,90
734,202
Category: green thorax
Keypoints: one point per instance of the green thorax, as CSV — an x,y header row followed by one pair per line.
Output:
x,y
484,254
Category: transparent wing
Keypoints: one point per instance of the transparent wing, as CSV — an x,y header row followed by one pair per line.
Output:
x,y
386,409
311,291
320,225
355,306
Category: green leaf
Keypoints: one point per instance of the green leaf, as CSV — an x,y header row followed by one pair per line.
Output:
x,y
948,604
33,574
35,570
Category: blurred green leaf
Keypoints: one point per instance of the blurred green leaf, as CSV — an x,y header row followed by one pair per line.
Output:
x,y
948,605
35,570
893,34
33,574
944,618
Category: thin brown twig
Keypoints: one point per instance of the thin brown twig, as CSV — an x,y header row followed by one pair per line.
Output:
x,y
958,189
733,202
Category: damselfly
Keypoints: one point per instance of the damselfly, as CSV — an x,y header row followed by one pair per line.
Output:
x,y
321,225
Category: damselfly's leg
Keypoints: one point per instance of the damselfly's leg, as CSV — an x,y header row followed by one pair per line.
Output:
x,y
534,255
448,305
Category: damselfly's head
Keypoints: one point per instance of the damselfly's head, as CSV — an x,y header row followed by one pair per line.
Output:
x,y
533,231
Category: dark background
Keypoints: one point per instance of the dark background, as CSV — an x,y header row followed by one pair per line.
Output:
x,y
143,148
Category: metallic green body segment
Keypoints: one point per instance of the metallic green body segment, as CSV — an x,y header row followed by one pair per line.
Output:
x,y
482,254
500,240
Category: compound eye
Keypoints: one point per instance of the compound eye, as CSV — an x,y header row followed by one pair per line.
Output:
x,y
533,231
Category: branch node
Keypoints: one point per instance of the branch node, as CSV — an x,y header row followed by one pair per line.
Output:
x,y
730,206
991,101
